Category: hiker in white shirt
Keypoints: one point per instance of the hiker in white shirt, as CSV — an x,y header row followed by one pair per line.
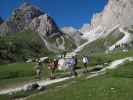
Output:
x,y
85,61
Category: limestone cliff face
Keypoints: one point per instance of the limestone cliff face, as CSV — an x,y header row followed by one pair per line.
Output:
x,y
74,34
30,17
20,18
45,25
116,12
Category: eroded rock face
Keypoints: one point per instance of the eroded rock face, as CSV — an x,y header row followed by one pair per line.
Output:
x,y
45,25
116,12
85,28
74,34
20,18
30,17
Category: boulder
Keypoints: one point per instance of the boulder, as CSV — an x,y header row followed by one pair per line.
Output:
x,y
31,87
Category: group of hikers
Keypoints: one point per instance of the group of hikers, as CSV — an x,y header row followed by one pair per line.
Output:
x,y
61,64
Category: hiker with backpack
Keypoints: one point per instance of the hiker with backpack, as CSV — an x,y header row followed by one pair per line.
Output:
x,y
52,66
71,66
85,61
39,69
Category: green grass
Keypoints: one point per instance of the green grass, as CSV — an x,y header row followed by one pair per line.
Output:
x,y
18,73
101,44
101,58
21,72
12,74
115,85
16,70
21,46
15,74
5,97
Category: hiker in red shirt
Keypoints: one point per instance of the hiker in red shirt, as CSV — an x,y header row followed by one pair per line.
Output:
x,y
52,65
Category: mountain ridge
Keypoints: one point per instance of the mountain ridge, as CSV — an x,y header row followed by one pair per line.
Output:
x,y
116,12
30,33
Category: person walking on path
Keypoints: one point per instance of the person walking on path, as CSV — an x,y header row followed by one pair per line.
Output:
x,y
52,65
85,61
55,64
39,69
71,65
76,61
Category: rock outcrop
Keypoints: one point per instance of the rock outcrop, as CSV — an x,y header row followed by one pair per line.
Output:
x,y
45,25
74,34
116,12
30,17
20,18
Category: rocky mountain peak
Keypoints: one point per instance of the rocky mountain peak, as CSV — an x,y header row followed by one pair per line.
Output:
x,y
116,12
25,14
45,25
28,10
74,33
84,28
21,18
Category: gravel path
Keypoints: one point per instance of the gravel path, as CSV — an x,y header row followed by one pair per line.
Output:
x,y
113,65
126,39
41,83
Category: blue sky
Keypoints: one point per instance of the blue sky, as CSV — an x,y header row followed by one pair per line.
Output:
x,y
65,12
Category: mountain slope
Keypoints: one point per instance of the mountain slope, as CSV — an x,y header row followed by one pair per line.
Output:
x,y
119,39
102,43
22,46
103,31
29,17
116,12
74,34
126,42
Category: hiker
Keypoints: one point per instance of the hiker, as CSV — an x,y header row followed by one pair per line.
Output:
x,y
85,61
52,65
76,61
38,68
61,64
55,64
71,66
